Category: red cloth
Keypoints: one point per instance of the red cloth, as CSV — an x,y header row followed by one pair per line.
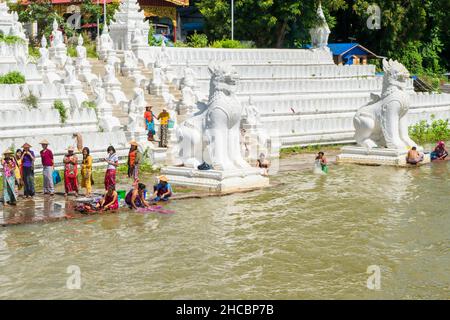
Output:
x,y
110,178
47,158
148,115
70,175
108,199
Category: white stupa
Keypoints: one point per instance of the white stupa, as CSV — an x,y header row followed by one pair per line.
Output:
x,y
127,19
321,32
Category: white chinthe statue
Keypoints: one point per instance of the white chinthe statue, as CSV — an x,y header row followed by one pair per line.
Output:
x,y
383,122
213,136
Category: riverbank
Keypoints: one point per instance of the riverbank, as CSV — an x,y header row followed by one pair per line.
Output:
x,y
44,208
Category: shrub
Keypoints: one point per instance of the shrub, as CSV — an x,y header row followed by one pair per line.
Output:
x,y
71,51
180,44
34,52
231,44
11,39
423,131
197,40
59,105
13,77
89,104
31,101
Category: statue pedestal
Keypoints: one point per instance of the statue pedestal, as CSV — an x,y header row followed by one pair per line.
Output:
x,y
76,94
217,181
84,71
58,55
114,92
48,72
376,156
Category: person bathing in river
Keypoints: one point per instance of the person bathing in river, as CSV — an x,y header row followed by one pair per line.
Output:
x,y
322,161
264,164
440,152
135,197
109,201
163,190
414,156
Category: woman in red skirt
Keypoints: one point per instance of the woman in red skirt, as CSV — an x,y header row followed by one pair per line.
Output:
x,y
113,162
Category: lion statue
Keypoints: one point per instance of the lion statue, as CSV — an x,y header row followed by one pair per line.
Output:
x,y
212,135
383,122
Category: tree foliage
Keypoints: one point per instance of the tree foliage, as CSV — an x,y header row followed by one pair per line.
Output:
x,y
265,22
415,32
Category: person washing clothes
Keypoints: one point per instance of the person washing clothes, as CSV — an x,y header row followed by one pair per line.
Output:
x,y
162,190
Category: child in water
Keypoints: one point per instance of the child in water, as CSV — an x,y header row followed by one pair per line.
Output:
x,y
322,162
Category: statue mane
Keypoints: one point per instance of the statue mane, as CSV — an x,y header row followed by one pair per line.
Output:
x,y
395,76
224,79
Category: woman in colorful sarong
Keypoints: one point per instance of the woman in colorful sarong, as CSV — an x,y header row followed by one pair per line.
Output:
x,y
113,161
70,172
86,171
134,159
9,178
150,123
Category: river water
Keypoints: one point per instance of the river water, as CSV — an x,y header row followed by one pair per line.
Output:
x,y
312,237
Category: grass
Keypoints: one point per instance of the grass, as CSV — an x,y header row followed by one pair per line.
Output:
x,y
287,152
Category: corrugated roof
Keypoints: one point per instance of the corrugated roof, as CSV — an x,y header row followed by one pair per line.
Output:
x,y
341,48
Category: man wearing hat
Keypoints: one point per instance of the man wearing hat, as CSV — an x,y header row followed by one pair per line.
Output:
x,y
164,118
163,190
9,178
28,158
47,164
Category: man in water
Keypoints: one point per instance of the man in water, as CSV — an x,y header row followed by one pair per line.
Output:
x,y
414,156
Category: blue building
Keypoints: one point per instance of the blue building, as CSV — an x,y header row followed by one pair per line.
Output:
x,y
350,53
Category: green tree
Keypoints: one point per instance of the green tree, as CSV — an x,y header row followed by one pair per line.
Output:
x,y
415,31
40,11
268,23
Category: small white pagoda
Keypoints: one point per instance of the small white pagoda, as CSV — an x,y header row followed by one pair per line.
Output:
x,y
127,19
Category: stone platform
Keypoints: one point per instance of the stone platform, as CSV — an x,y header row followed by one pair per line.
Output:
x,y
217,181
386,157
